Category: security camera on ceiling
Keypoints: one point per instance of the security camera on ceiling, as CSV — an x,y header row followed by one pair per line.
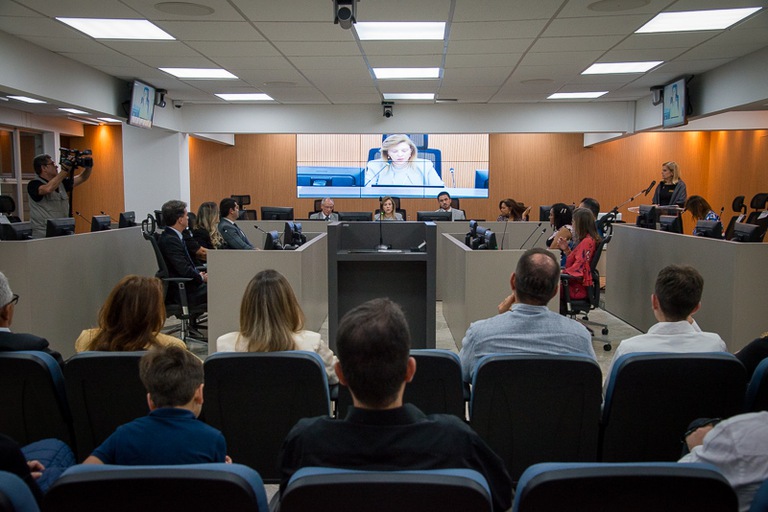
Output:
x,y
388,107
345,13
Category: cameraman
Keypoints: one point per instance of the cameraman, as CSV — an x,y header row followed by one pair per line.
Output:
x,y
49,191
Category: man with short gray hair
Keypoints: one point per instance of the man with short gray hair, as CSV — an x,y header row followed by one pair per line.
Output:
x,y
326,212
11,341
525,324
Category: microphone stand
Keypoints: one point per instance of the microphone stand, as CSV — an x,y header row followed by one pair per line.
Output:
x,y
538,237
532,233
608,218
381,246
504,234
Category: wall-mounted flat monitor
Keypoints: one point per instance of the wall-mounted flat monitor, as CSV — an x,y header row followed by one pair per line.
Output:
x,y
127,220
429,216
100,223
60,227
355,216
16,231
402,165
671,223
675,104
276,213
142,108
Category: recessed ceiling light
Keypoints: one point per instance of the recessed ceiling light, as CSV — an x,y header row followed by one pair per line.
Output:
x,y
184,8
117,29
199,73
617,5
399,31
248,96
607,68
714,19
576,95
26,99
74,111
109,120
406,73
409,96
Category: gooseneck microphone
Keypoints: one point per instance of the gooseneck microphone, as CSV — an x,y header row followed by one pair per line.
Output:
x,y
539,237
653,183
376,175
381,246
506,221
78,214
110,217
532,233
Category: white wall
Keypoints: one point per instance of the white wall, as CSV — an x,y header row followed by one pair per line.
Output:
x,y
155,168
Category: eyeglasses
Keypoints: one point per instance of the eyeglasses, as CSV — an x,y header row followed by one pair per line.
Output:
x,y
14,300
51,163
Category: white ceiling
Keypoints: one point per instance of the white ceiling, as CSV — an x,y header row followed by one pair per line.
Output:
x,y
496,51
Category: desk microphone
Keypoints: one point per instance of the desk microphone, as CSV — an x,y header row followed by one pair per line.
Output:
x,y
381,246
110,217
538,237
532,232
377,174
78,214
506,221
453,178
649,187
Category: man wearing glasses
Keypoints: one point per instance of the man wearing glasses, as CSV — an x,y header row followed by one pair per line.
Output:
x,y
49,192
11,341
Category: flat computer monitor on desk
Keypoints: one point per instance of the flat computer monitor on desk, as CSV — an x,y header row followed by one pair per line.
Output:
x,y
100,223
646,218
277,213
671,223
709,229
355,216
429,216
16,231
127,220
60,227
743,232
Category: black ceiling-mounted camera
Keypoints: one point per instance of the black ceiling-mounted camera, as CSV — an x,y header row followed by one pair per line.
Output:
x,y
388,107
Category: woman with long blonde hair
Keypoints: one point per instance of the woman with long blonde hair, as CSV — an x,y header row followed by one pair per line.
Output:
x,y
130,319
206,232
271,320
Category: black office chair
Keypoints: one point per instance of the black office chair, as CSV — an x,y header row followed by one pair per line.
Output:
x,y
245,213
7,207
343,490
629,487
592,300
33,400
255,399
739,207
104,391
437,387
757,392
759,215
175,292
651,398
535,408
190,487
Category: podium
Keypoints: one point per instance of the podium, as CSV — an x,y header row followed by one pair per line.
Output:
x,y
357,272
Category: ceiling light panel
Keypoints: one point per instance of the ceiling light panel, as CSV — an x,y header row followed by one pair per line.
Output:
x,y
409,96
199,73
714,19
75,111
400,31
245,97
26,99
406,73
100,28
607,68
576,95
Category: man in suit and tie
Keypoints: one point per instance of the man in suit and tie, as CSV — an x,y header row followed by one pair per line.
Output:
x,y
444,200
326,213
234,238
175,252
12,341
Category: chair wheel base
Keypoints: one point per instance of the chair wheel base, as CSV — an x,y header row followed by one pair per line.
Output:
x,y
607,347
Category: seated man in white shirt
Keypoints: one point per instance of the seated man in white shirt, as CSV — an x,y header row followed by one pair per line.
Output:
x,y
676,297
738,447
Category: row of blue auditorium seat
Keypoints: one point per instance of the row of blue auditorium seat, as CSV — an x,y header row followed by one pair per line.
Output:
x,y
529,409
578,487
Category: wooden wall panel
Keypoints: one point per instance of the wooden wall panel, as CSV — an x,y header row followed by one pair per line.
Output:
x,y
104,190
533,168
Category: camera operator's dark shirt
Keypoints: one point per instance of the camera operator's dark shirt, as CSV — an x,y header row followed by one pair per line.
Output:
x,y
34,185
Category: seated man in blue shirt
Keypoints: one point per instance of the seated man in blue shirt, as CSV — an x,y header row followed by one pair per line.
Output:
x,y
171,433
